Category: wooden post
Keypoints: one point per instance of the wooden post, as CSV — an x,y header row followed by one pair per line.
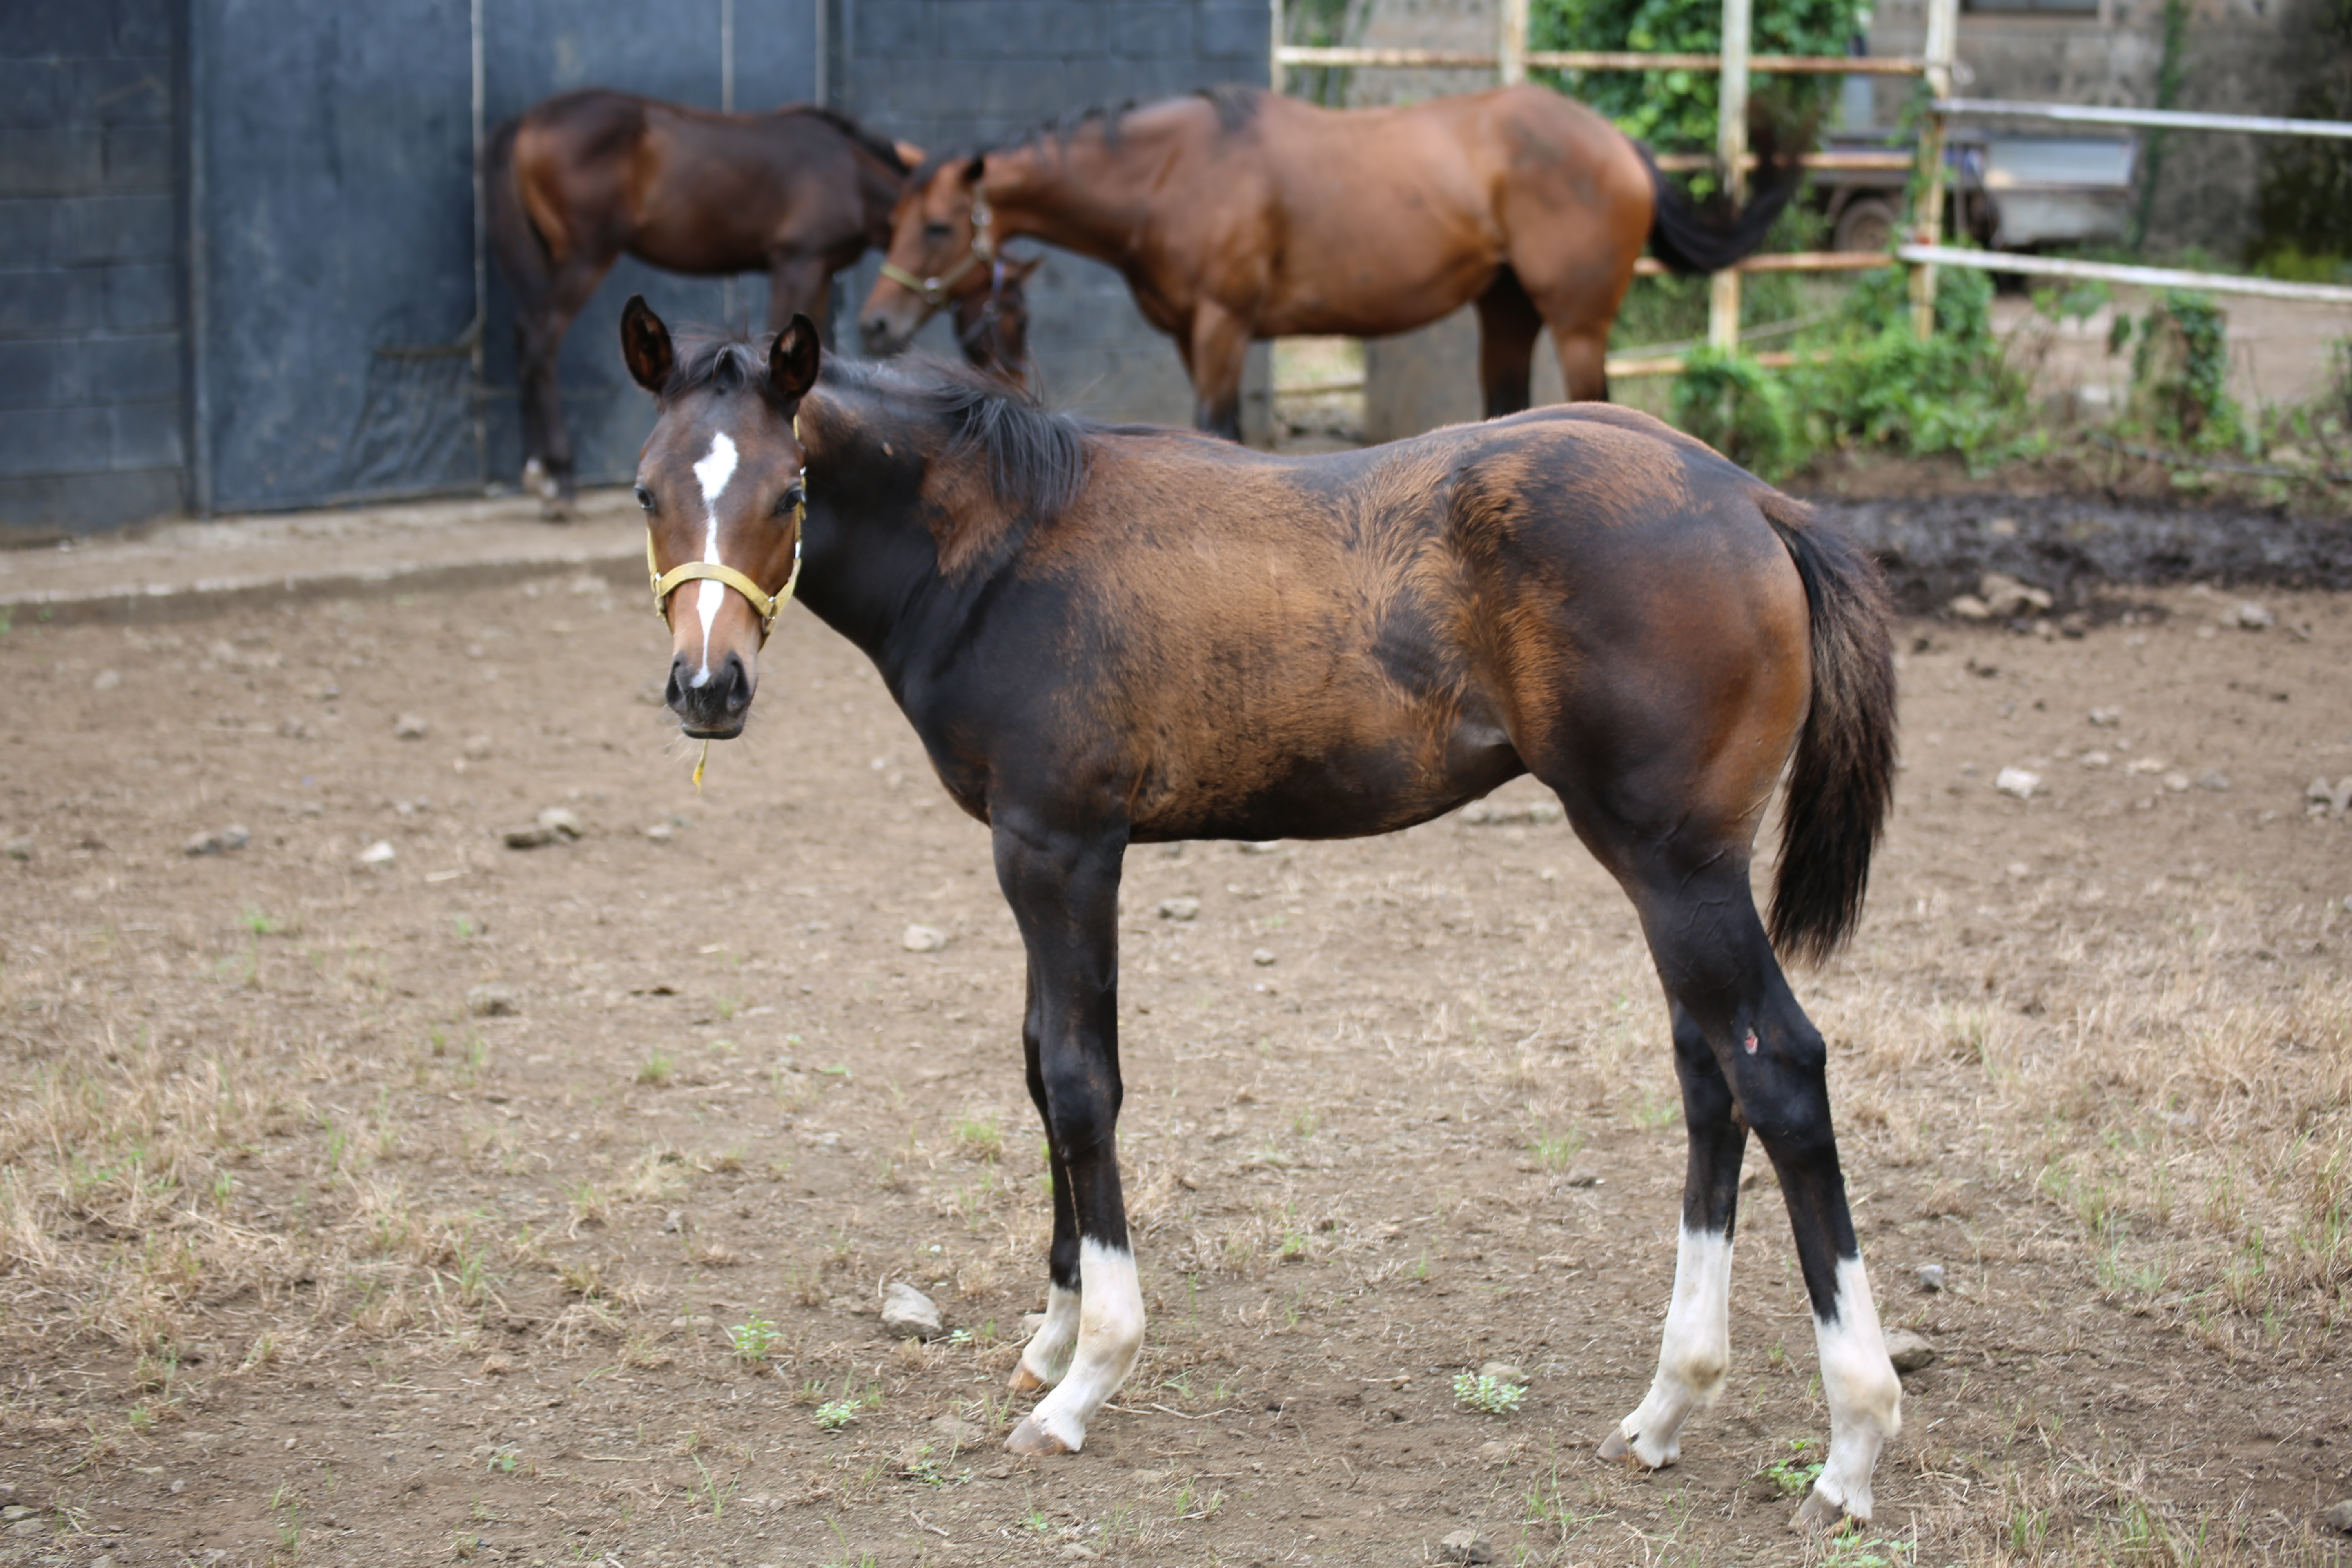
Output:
x,y
1731,154
1927,217
1275,41
1511,46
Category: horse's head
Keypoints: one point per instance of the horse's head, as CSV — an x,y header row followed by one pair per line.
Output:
x,y
721,483
941,248
992,323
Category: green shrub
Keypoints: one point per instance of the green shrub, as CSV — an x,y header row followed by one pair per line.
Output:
x,y
2181,372
1735,405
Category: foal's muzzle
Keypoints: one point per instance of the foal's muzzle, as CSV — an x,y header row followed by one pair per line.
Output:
x,y
713,711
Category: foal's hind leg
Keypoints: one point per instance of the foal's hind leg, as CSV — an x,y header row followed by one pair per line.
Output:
x,y
547,438
1046,1356
1730,999
1062,886
1696,1352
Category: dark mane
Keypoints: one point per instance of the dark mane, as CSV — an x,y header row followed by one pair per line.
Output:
x,y
881,147
1036,457
1235,104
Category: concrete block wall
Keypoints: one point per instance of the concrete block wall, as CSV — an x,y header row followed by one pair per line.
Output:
x,y
953,73
91,302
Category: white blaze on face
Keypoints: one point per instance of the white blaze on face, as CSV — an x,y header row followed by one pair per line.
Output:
x,y
1695,1352
1865,1397
712,472
1110,1333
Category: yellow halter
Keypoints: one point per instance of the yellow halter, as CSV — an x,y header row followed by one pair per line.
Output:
x,y
767,605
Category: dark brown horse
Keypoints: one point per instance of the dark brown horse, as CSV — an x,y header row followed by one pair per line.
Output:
x,y
797,193
1237,213
1108,636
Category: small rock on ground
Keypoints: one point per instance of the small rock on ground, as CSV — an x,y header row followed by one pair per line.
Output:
x,y
1179,908
2340,1516
235,836
531,837
105,680
409,727
2017,782
923,939
906,1312
1467,1546
558,819
1908,1352
1931,1277
1261,957
493,1002
2251,617
1506,1372
379,853
18,849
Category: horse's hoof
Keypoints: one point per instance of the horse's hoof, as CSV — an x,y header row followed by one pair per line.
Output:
x,y
1819,1516
1617,1446
1023,1381
1033,1441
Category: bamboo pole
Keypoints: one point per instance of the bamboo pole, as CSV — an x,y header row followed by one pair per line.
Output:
x,y
1344,56
1927,217
1276,61
1731,151
1512,46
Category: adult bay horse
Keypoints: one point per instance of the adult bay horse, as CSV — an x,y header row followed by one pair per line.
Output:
x,y
1111,636
797,193
1237,213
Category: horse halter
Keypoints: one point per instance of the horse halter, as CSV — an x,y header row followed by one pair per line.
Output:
x,y
766,604
934,291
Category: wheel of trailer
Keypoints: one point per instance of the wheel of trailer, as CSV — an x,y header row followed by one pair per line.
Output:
x,y
1866,223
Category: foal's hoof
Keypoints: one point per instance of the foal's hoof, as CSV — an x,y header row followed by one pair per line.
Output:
x,y
1627,1451
1819,1516
1023,1381
1033,1441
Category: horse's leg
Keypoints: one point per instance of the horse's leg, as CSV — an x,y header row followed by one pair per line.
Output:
x,y
1220,343
1507,325
1062,886
797,284
1695,1351
1046,1356
1730,995
537,344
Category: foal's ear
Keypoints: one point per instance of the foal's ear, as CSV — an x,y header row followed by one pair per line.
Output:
x,y
792,360
645,345
908,153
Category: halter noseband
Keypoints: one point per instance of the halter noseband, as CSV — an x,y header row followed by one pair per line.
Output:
x,y
934,291
767,605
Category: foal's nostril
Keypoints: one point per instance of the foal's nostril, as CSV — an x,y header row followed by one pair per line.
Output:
x,y
738,685
675,692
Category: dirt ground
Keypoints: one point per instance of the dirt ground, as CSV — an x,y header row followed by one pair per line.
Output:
x,y
534,1206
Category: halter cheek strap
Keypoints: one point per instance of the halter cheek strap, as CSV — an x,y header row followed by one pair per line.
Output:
x,y
934,291
767,605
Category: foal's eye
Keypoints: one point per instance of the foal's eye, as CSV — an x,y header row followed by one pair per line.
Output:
x,y
644,498
792,497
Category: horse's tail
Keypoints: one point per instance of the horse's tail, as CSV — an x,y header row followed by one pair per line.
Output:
x,y
515,241
1690,237
1841,781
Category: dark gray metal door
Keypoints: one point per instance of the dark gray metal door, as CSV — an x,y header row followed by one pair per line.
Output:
x,y
333,246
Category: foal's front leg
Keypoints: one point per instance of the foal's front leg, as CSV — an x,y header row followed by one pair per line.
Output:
x,y
1064,890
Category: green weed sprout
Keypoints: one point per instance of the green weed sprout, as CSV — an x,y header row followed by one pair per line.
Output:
x,y
1486,1394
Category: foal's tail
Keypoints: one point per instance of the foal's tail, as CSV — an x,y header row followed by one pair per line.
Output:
x,y
1841,781
1690,237
515,242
